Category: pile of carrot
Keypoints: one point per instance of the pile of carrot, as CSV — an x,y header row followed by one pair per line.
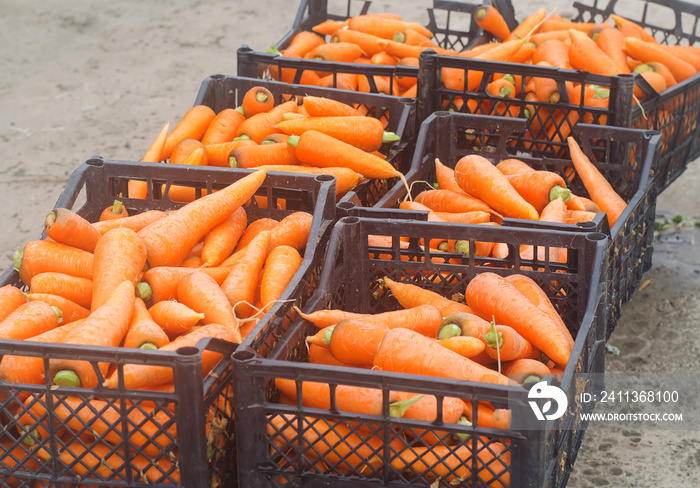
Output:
x,y
507,332
478,192
154,280
316,136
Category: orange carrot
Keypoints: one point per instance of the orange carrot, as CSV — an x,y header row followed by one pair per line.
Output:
x,y
539,187
144,332
160,283
584,54
318,149
73,288
105,326
464,346
192,125
202,294
142,376
338,52
384,27
650,51
115,211
218,154
133,222
554,52
70,311
576,216
612,42
490,19
327,107
621,21
365,133
578,202
257,100
302,43
253,230
260,125
450,201
139,189
169,239
426,408
29,320
555,24
67,227
175,317
493,297
478,177
657,82
11,297
343,81
520,369
345,178
45,256
368,43
410,296
280,267
185,153
660,69
322,355
428,358
527,25
601,192
222,239
223,127
241,283
293,230
513,167
260,155
355,342
120,255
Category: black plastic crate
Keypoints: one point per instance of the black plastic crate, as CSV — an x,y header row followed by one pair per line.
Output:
x,y
676,111
196,419
450,21
350,281
627,157
220,92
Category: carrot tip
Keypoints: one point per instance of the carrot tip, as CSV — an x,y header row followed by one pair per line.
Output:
x,y
389,137
66,377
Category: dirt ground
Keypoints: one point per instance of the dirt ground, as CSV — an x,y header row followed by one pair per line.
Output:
x,y
86,77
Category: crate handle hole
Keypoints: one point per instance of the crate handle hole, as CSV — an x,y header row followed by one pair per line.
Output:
x,y
243,355
187,351
325,178
346,205
596,236
586,225
350,220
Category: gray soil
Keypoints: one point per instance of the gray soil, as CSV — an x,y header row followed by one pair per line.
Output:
x,y
86,77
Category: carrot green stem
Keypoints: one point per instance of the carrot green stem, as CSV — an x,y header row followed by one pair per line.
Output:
x,y
506,91
148,345
397,409
389,137
335,39
144,291
532,378
32,437
442,246
450,330
58,313
480,13
595,36
462,247
492,336
274,50
293,141
509,78
117,207
557,191
17,258
601,93
240,110
399,37
261,96
66,377
232,162
242,137
463,421
327,336
50,219
267,141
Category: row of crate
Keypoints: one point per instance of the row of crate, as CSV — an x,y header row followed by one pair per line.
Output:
x,y
226,430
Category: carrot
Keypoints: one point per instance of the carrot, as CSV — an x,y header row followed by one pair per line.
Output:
x,y
539,187
318,149
337,52
218,154
222,239
73,288
144,332
260,125
365,133
513,167
133,222
490,19
67,227
120,255
293,230
524,369
657,82
554,52
45,256
345,178
106,326
241,283
257,100
322,355
385,27
493,297
223,127
560,35
621,21
612,43
478,177
326,107
464,346
160,283
16,456
11,297
450,201
428,358
689,54
139,189
584,54
578,202
253,230
29,320
559,24
601,192
576,216
528,287
280,267
115,211
343,81
142,376
368,43
71,311
303,42
185,153
651,51
410,296
254,156
660,69
192,125
169,239
400,50
192,262
527,25
328,27
384,58
175,317
426,408
355,342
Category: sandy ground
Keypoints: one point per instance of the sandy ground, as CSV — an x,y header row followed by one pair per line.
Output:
x,y
81,77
